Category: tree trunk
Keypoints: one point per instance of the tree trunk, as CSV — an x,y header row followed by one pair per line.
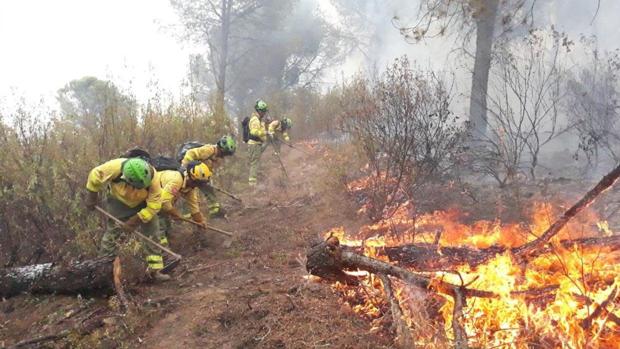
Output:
x,y
87,276
485,24
223,57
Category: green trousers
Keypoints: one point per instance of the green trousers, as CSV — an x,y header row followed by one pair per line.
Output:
x,y
255,150
109,241
212,203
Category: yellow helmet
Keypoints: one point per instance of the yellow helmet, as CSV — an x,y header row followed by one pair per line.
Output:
x,y
198,171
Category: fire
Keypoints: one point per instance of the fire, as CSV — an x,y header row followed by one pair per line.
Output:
x,y
545,303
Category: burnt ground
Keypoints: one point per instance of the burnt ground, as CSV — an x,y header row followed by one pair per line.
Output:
x,y
254,294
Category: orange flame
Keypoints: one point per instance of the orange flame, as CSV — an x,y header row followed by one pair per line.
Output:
x,y
572,281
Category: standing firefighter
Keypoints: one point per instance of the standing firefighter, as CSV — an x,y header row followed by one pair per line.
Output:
x,y
278,133
183,182
210,154
256,138
135,198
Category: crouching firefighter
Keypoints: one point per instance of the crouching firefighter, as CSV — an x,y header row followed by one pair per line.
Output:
x,y
183,182
134,197
210,154
278,133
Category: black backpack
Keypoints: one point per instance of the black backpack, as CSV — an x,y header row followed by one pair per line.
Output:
x,y
185,147
245,129
137,153
164,163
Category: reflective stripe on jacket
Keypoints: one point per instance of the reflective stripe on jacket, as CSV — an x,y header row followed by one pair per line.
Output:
x,y
108,173
205,153
173,185
257,129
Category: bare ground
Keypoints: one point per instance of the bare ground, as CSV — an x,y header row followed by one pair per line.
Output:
x,y
254,294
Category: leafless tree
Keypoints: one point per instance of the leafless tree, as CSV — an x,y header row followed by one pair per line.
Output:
x,y
527,88
593,105
404,125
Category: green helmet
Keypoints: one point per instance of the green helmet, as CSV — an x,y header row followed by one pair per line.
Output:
x,y
227,145
260,105
287,123
137,173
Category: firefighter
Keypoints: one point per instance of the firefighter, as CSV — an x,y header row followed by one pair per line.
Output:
x,y
134,198
278,133
210,154
184,182
258,139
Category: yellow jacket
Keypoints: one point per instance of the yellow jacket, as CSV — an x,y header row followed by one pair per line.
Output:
x,y
109,172
257,129
206,154
174,185
275,128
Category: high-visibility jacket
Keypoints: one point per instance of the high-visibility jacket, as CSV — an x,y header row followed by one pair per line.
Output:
x,y
275,128
109,173
174,184
257,129
206,154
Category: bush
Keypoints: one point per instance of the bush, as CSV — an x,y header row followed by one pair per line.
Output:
x,y
403,126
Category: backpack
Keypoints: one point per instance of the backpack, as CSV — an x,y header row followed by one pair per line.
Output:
x,y
185,147
245,129
137,153
163,163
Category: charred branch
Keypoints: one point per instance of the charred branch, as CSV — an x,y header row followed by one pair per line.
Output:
x,y
604,184
600,309
431,257
404,337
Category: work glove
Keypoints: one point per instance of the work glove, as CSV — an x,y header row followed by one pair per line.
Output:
x,y
175,214
287,138
132,224
92,199
199,218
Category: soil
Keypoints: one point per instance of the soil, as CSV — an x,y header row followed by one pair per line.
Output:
x,y
253,294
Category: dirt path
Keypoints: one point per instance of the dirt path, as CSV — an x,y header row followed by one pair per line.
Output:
x,y
254,294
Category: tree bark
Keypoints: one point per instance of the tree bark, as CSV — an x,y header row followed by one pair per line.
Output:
x,y
78,277
220,98
485,18
430,257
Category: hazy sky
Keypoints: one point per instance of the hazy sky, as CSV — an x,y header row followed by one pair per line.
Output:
x,y
47,43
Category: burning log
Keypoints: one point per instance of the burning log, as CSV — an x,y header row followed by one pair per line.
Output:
x,y
77,277
404,336
431,257
329,260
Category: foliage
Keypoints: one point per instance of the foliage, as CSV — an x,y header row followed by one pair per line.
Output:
x,y
403,125
295,45
47,156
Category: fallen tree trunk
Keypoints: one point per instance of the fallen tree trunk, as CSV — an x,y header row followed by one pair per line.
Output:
x,y
328,259
78,277
431,257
